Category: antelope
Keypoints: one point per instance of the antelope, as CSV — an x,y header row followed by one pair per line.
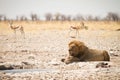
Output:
x,y
77,28
17,28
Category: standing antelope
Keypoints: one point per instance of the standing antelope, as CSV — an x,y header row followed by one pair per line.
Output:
x,y
17,28
77,28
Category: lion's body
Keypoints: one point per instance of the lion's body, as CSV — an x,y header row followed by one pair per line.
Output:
x,y
95,55
79,52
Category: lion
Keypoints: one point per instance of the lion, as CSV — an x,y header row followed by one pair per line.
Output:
x,y
78,51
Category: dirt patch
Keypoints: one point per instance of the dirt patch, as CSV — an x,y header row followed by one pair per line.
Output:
x,y
45,49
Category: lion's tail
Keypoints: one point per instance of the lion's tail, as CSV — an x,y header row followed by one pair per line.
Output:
x,y
106,56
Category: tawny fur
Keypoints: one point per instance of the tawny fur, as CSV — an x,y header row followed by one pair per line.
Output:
x,y
79,52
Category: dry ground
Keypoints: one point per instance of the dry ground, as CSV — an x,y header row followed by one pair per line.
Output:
x,y
45,43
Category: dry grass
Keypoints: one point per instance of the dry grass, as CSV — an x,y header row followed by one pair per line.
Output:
x,y
37,26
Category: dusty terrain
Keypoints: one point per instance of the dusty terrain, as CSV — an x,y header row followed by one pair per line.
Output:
x,y
38,56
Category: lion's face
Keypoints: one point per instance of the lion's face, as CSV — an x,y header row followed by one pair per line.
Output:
x,y
76,48
73,50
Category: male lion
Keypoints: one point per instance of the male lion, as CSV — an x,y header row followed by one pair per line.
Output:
x,y
79,52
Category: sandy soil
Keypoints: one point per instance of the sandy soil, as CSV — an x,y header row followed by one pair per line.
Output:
x,y
39,56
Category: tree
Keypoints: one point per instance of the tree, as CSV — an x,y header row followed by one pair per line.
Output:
x,y
68,18
5,18
48,16
23,18
89,18
34,17
1,17
112,16
97,18
57,16
78,17
63,17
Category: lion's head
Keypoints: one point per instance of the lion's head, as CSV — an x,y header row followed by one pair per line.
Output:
x,y
76,48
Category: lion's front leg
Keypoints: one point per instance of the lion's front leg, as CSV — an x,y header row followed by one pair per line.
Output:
x,y
66,60
70,59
